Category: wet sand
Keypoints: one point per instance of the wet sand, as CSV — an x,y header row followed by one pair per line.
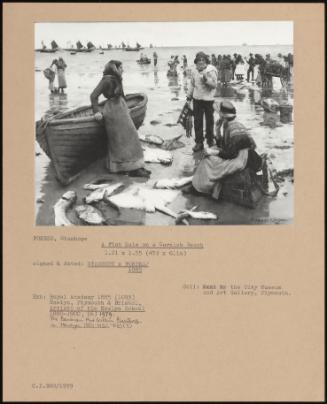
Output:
x,y
166,99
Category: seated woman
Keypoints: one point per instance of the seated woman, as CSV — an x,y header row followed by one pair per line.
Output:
x,y
125,154
234,152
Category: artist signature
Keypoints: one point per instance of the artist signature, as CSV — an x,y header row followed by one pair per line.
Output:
x,y
268,220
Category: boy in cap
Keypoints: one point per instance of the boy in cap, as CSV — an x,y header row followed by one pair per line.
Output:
x,y
202,89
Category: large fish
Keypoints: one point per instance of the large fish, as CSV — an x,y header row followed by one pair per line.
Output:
x,y
90,215
172,182
195,215
142,198
99,193
60,208
129,199
152,155
201,215
173,144
93,187
154,139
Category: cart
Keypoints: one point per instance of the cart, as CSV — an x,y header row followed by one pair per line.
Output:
x,y
277,70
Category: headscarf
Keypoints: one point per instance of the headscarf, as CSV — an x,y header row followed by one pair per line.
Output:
x,y
111,69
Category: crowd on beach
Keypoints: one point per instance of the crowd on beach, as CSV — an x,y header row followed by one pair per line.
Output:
x,y
237,67
230,148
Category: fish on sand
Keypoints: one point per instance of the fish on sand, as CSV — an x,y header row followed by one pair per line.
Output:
x,y
93,187
155,155
99,193
201,215
89,214
173,144
192,213
61,207
169,183
142,198
154,139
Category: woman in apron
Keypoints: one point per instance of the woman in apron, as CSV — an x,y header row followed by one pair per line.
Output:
x,y
125,154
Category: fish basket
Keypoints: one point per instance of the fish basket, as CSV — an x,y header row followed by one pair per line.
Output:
x,y
285,111
243,188
49,74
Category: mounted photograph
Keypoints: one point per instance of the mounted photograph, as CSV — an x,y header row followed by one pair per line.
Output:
x,y
164,123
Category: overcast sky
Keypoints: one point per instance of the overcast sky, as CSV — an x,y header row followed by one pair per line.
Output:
x,y
167,33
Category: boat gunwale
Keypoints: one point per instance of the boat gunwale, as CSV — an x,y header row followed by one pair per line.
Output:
x,y
56,120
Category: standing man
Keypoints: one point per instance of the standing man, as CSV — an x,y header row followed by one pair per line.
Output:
x,y
155,58
202,90
251,63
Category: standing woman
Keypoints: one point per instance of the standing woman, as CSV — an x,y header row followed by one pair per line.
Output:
x,y
61,67
125,154
219,67
155,59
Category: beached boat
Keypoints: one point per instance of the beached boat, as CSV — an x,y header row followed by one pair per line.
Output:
x,y
47,50
144,61
53,49
74,139
133,49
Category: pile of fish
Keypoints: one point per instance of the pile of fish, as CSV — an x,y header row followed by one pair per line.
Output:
x,y
60,208
141,197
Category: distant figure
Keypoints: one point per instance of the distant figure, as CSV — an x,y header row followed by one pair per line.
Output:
x,y
172,72
219,66
184,61
233,64
239,68
226,69
213,60
251,63
61,67
155,58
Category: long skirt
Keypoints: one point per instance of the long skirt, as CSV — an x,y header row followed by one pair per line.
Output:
x,y
61,79
51,84
124,147
212,169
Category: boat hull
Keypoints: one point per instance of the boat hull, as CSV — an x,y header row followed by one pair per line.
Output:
x,y
47,50
73,140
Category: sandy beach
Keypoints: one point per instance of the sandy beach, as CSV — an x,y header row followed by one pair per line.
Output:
x,y
166,98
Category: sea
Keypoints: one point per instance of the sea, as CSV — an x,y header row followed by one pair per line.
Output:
x,y
166,97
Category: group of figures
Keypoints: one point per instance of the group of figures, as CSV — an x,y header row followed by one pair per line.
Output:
x,y
229,149
56,69
234,67
173,64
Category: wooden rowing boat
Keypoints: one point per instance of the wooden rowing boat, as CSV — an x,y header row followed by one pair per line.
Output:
x,y
144,62
74,139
